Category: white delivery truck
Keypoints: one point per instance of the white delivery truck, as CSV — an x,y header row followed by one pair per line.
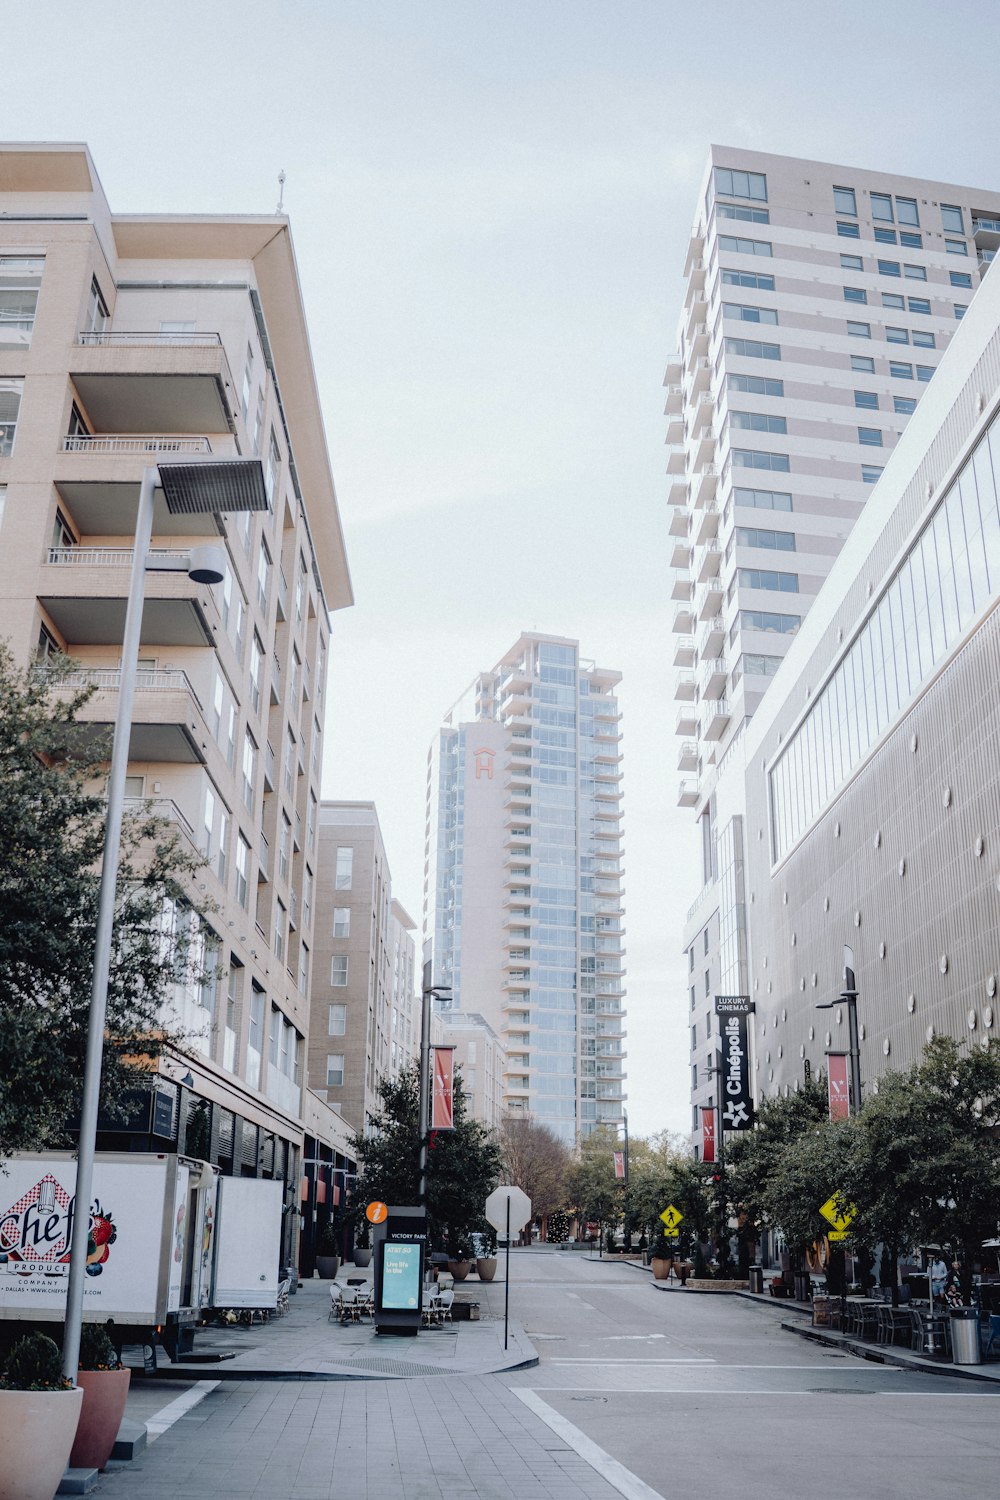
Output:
x,y
153,1249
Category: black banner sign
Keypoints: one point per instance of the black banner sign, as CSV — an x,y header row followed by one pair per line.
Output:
x,y
737,1099
733,1005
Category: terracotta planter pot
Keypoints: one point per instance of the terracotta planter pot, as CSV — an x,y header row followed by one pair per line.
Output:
x,y
104,1395
661,1268
460,1268
362,1257
486,1267
328,1266
37,1429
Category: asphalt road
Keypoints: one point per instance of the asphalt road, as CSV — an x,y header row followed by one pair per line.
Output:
x,y
640,1394
694,1393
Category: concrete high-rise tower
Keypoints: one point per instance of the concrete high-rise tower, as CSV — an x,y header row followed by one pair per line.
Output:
x,y
819,300
523,883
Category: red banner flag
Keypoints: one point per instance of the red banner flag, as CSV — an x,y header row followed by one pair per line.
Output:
x,y
443,1093
619,1164
707,1133
838,1086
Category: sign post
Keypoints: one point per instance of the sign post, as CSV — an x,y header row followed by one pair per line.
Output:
x,y
507,1208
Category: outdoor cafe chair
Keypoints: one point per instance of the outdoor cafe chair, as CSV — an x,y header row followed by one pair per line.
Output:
x,y
336,1303
989,1332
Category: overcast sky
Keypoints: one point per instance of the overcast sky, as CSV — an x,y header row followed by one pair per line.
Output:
x,y
490,202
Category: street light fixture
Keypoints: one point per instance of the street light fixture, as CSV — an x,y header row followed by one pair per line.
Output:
x,y
429,993
215,485
849,997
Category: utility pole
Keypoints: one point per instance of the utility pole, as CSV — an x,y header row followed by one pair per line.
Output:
x,y
429,993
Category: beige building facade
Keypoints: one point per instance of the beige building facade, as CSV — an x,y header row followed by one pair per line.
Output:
x,y
365,1015
479,1056
819,301
133,340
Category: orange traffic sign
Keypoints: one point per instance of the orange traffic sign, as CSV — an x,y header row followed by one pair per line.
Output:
x,y
375,1213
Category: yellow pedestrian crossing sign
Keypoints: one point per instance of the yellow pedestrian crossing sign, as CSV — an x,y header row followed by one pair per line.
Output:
x,y
671,1217
839,1218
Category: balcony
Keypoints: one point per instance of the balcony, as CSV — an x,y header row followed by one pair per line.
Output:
x,y
709,561
712,636
154,382
686,722
704,449
683,622
675,462
679,524
703,485
98,478
715,718
707,523
708,599
701,376
687,756
167,810
85,590
684,651
680,557
168,722
675,430
675,399
684,687
677,494
680,587
712,677
687,794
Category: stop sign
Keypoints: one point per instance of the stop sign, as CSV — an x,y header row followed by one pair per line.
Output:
x,y
496,1208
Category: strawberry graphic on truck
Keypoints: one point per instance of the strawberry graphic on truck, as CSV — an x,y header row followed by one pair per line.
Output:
x,y
100,1239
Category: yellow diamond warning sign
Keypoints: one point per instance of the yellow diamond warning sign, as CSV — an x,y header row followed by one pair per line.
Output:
x,y
837,1216
671,1217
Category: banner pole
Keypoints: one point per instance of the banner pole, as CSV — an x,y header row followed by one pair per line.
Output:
x,y
506,1285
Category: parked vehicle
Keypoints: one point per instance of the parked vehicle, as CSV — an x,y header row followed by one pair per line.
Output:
x,y
169,1240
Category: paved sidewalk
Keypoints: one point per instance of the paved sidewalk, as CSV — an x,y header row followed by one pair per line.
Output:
x,y
305,1344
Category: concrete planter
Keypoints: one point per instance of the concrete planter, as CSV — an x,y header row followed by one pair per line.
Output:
x,y
661,1268
37,1429
104,1395
362,1257
460,1268
328,1266
486,1267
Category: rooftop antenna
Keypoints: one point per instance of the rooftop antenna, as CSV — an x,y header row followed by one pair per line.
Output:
x,y
281,192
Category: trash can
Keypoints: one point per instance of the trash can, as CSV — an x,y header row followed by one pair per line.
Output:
x,y
757,1279
965,1336
802,1286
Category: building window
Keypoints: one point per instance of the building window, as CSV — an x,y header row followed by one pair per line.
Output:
x,y
851,263
753,349
738,184
273,465
766,620
886,236
863,364
848,231
900,370
256,670
740,246
889,268
956,247
919,305
774,541
910,240
871,473
753,279
762,499
859,330
20,278
11,392
344,873
924,372
870,437
302,982
960,278
753,458
897,335
914,272
746,313
242,872
906,210
96,315
3,501
747,214
882,207
767,578
951,218
855,294
247,382
756,421
868,399
335,1070
337,1020
755,385
895,300
961,308
249,769
704,941
694,997
341,921
280,932
904,406
923,340
338,971
284,845
844,201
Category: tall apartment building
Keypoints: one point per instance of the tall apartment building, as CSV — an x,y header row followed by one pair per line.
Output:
x,y
523,877
365,1020
128,340
819,300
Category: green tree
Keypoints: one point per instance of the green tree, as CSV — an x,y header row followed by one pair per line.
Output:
x,y
592,1189
51,839
463,1164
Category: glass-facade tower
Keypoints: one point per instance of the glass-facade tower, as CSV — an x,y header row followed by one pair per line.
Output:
x,y
523,895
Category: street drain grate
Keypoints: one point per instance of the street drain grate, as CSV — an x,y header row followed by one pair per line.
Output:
x,y
396,1367
837,1390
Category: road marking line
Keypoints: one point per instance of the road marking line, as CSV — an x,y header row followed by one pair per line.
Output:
x,y
160,1421
575,1295
610,1364
616,1474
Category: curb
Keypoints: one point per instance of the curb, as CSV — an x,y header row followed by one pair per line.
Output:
x,y
885,1354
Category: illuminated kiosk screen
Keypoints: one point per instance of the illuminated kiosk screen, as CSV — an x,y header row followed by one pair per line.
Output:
x,y
401,1278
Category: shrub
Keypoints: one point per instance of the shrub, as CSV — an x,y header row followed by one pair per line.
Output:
x,y
96,1350
34,1364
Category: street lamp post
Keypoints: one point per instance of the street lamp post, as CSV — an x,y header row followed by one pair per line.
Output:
x,y
849,997
188,489
428,994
